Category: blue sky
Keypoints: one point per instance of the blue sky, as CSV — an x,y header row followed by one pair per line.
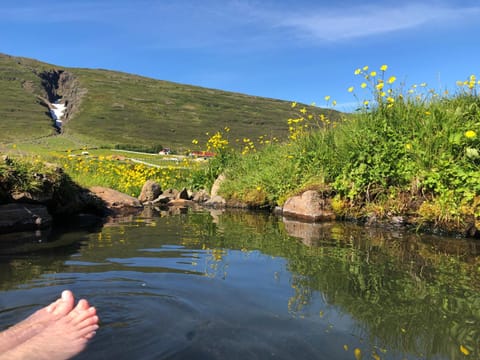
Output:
x,y
298,50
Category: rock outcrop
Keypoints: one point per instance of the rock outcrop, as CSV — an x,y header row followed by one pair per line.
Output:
x,y
23,217
115,200
309,206
150,191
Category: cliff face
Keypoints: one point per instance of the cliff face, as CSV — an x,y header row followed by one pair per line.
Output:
x,y
61,85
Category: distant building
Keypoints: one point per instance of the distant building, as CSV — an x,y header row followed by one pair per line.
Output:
x,y
165,151
204,154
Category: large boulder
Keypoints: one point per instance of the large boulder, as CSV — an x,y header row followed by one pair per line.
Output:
x,y
309,206
115,200
150,191
23,217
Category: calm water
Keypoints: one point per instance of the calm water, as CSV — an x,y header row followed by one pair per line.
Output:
x,y
237,285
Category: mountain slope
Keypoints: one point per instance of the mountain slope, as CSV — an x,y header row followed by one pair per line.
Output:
x,y
108,108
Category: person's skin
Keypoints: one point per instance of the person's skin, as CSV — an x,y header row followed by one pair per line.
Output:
x,y
56,332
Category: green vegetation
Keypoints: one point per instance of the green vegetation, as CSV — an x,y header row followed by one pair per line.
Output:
x,y
407,151
410,152
117,109
21,114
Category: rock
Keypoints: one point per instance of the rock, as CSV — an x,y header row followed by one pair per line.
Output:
x,y
150,191
201,196
180,202
170,193
216,202
162,199
310,206
183,195
216,185
115,200
23,217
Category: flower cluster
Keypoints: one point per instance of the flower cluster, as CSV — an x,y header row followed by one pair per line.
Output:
x,y
121,174
470,85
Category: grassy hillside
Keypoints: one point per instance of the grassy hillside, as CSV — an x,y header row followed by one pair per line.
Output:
x,y
21,114
119,108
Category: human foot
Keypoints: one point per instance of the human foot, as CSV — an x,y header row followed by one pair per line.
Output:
x,y
36,322
62,339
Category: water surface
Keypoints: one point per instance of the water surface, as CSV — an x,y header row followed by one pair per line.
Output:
x,y
238,285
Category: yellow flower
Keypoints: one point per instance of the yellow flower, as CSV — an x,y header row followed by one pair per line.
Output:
x,y
303,111
366,102
195,141
470,134
334,102
392,79
327,97
363,85
373,74
350,89
357,72
365,68
384,67
464,350
357,353
380,86
294,104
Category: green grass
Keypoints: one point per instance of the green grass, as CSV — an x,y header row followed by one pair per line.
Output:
x,y
119,108
415,153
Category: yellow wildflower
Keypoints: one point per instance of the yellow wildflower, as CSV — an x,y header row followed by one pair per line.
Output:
x,y
373,74
294,104
392,79
384,67
464,350
357,72
350,89
363,85
470,134
327,97
365,68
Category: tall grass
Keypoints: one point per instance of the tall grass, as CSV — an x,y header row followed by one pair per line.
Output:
x,y
404,150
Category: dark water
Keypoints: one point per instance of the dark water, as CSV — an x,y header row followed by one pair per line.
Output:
x,y
250,286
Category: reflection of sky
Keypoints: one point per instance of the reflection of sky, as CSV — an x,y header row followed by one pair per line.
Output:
x,y
266,278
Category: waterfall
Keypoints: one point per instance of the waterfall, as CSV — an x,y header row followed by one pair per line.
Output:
x,y
57,111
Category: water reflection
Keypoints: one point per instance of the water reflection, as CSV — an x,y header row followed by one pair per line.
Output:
x,y
202,285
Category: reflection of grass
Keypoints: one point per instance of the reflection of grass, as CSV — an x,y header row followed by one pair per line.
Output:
x,y
406,294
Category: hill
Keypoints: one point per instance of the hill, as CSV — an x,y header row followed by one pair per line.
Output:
x,y
108,108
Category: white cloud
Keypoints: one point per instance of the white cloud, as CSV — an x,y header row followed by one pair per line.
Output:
x,y
331,24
